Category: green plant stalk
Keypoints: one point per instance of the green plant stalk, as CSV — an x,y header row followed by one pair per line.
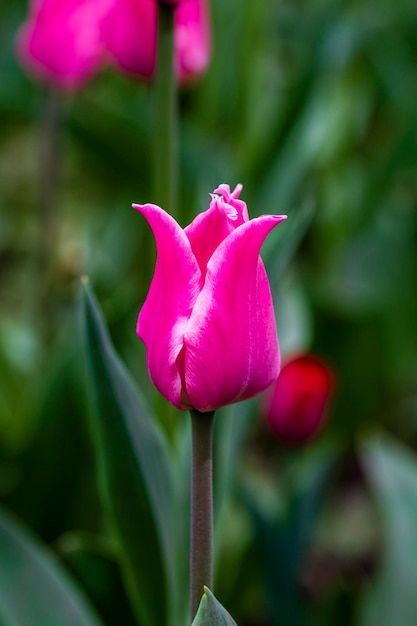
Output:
x,y
49,170
165,166
165,153
201,558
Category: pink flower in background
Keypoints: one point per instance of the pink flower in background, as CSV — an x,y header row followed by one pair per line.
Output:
x,y
171,2
130,32
295,406
64,42
129,29
61,41
192,38
208,322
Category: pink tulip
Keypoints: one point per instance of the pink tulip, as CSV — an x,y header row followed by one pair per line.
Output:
x,y
208,321
61,42
192,38
171,2
129,29
130,32
295,406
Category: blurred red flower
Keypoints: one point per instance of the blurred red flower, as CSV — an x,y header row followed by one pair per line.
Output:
x,y
295,406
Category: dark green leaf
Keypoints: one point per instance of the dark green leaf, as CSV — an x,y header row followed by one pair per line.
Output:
x,y
135,474
392,471
59,437
34,589
231,427
282,542
92,562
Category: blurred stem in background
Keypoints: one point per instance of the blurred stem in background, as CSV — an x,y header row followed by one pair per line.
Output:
x,y
165,152
49,171
201,561
165,166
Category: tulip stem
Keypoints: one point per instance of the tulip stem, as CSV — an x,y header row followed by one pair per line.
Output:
x,y
48,192
201,562
165,120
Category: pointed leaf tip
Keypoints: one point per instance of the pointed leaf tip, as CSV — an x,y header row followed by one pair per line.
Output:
x,y
211,612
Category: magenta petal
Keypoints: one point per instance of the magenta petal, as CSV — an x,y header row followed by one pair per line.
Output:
x,y
61,41
192,38
167,309
232,199
208,229
130,32
231,344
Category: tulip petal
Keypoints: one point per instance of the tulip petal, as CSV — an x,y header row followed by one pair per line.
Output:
x,y
231,344
164,316
192,38
61,41
129,30
208,229
295,406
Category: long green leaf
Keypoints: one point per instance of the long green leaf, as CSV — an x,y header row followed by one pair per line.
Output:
x,y
230,430
392,471
34,589
136,477
211,612
91,560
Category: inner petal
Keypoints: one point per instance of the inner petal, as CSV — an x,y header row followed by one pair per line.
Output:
x,y
225,213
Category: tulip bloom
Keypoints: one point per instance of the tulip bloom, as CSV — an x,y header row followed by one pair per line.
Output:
x,y
295,407
130,32
64,42
208,321
61,41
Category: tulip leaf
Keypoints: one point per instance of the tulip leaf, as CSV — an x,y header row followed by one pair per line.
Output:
x,y
91,560
283,540
135,475
34,588
211,612
392,471
231,427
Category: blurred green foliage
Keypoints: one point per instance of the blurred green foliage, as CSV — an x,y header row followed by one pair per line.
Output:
x,y
312,106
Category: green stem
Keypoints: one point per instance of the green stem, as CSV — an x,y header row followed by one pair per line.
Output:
x,y
165,152
201,563
165,122
49,166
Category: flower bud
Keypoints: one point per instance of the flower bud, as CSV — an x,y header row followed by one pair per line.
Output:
x,y
60,43
295,406
208,321
64,42
130,33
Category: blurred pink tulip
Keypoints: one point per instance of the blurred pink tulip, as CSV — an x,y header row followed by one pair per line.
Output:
x,y
130,32
64,42
192,39
208,321
61,41
171,2
295,406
